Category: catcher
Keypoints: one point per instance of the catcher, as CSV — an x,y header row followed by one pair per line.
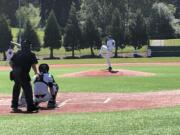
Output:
x,y
45,88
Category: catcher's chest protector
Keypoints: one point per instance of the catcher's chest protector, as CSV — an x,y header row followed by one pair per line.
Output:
x,y
40,86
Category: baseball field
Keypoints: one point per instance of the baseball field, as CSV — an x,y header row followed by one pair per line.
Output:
x,y
141,97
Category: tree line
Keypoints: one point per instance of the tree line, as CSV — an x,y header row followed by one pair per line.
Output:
x,y
82,24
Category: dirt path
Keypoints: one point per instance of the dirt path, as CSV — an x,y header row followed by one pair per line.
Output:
x,y
103,102
4,68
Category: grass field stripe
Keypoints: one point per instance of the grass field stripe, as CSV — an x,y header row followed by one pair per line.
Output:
x,y
65,102
107,100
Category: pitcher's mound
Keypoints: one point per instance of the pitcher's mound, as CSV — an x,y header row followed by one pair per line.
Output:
x,y
95,73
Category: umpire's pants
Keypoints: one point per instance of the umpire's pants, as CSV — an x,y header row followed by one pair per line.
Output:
x,y
27,88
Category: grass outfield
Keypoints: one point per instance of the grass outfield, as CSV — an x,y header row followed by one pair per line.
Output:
x,y
146,122
140,122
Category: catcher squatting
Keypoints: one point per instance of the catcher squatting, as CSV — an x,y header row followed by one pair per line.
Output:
x,y
45,88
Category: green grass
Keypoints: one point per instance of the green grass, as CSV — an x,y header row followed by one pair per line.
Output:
x,y
138,122
142,122
113,60
167,78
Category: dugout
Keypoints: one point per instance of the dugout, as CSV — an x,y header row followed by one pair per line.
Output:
x,y
165,48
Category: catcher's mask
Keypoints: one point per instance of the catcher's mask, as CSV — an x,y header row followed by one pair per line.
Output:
x,y
43,68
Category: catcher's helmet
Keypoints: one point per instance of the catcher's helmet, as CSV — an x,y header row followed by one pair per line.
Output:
x,y
43,68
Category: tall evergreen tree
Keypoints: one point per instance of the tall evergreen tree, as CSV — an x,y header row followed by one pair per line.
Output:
x,y
31,35
138,29
5,37
92,36
52,37
117,30
73,35
8,8
61,9
30,13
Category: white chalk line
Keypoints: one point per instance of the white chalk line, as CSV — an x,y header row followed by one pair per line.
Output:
x,y
8,101
64,103
107,100
93,102
5,102
90,102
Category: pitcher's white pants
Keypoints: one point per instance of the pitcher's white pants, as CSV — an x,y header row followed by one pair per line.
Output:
x,y
105,53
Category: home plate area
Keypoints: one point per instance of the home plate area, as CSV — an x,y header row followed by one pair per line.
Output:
x,y
102,102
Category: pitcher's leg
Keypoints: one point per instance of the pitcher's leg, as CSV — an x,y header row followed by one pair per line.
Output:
x,y
108,62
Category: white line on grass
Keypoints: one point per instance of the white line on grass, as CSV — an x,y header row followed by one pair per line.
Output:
x,y
107,100
64,103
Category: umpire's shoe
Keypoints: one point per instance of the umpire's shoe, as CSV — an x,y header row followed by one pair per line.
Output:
x,y
33,109
16,110
51,104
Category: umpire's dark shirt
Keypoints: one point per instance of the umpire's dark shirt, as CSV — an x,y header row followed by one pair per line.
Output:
x,y
24,60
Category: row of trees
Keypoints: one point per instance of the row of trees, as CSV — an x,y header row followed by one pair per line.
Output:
x,y
81,24
62,7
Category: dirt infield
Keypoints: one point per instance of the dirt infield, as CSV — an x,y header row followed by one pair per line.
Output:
x,y
117,72
103,102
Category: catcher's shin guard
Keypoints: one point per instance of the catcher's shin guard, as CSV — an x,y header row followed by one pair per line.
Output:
x,y
51,104
52,101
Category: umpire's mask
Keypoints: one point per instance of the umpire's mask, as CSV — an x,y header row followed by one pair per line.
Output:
x,y
26,45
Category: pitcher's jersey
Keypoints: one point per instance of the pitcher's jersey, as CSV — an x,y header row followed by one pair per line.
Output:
x,y
110,44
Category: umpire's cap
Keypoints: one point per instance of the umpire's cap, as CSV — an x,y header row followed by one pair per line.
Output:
x,y
26,45
43,68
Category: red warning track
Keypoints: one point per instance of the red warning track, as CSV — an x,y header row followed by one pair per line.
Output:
x,y
103,102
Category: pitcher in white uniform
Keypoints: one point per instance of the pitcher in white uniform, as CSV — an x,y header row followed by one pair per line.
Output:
x,y
107,50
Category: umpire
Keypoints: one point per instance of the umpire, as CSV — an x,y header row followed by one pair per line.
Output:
x,y
21,64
